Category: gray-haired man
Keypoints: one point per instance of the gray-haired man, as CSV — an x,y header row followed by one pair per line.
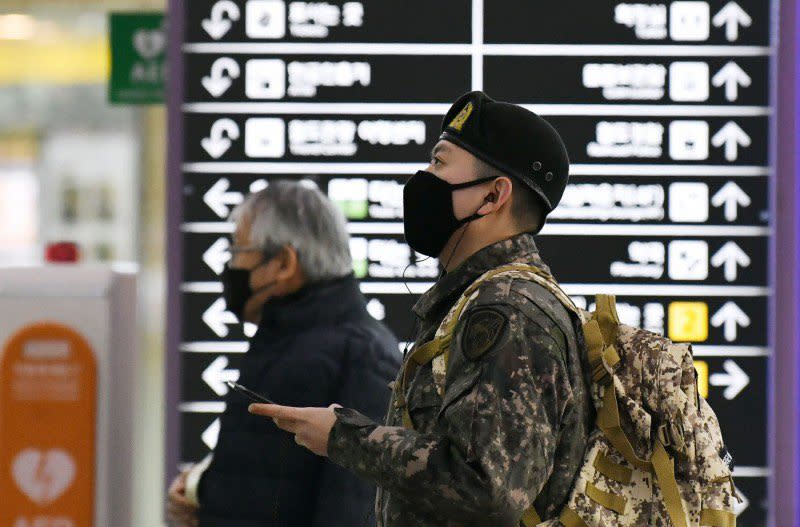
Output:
x,y
291,274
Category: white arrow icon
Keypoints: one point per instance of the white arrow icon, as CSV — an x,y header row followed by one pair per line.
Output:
x,y
217,255
219,140
731,136
211,434
734,380
223,71
731,76
732,196
217,25
731,317
731,256
732,16
217,374
741,504
218,198
217,317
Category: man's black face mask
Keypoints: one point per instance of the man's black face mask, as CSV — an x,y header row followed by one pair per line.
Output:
x,y
428,217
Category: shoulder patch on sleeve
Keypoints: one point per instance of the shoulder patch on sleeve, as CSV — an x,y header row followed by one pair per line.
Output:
x,y
485,327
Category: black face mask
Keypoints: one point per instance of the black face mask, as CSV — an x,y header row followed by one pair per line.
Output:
x,y
428,217
236,289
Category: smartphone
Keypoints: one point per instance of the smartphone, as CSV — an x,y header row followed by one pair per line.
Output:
x,y
250,394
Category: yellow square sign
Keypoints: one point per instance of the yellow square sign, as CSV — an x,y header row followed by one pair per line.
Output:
x,y
688,321
702,377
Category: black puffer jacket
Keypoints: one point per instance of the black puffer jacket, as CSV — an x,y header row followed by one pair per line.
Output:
x,y
313,348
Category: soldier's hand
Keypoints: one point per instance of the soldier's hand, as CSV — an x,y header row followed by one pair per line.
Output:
x,y
310,426
180,511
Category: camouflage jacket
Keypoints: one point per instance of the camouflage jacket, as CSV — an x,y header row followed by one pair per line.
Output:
x,y
511,427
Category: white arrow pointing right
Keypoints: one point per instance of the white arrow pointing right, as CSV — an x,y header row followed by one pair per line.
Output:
x,y
223,71
217,374
217,317
217,255
731,317
731,256
732,16
731,76
219,140
732,196
217,25
734,379
731,136
218,198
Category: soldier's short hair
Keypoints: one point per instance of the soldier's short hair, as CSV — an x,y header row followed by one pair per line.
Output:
x,y
298,214
526,206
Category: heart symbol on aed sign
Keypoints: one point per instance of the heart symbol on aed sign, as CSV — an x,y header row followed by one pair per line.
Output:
x,y
149,44
43,476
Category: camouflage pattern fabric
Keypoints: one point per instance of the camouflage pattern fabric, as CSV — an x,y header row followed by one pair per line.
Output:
x,y
509,427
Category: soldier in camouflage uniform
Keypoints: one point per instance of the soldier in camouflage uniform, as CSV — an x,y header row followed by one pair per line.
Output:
x,y
509,429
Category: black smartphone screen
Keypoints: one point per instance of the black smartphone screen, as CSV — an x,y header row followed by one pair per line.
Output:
x,y
250,394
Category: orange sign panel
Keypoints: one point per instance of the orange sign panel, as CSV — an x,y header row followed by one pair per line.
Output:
x,y
48,408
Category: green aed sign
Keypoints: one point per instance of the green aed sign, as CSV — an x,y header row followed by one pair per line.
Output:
x,y
138,58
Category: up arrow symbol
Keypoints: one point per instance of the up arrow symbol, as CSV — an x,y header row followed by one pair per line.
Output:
x,y
730,317
731,256
731,136
731,196
732,16
731,76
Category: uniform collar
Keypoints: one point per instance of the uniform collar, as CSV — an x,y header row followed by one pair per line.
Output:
x,y
520,248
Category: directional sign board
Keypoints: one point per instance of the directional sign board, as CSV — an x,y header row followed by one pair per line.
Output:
x,y
665,109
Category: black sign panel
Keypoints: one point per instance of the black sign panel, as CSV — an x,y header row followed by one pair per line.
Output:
x,y
614,22
663,105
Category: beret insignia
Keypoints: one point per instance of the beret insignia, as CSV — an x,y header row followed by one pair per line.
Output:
x,y
461,119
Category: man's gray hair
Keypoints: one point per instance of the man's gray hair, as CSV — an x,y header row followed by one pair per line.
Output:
x,y
298,214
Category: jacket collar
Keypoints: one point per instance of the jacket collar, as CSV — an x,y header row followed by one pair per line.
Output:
x,y
320,303
520,248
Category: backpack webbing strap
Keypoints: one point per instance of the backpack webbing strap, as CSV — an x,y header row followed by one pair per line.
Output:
x,y
530,518
570,518
605,322
717,518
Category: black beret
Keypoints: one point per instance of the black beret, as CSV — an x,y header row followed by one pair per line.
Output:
x,y
512,139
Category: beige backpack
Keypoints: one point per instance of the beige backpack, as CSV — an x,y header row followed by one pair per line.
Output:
x,y
656,455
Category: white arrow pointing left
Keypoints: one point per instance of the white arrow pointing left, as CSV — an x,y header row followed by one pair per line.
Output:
x,y
211,434
731,317
731,136
731,76
218,198
218,255
731,256
217,374
734,379
732,16
217,317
